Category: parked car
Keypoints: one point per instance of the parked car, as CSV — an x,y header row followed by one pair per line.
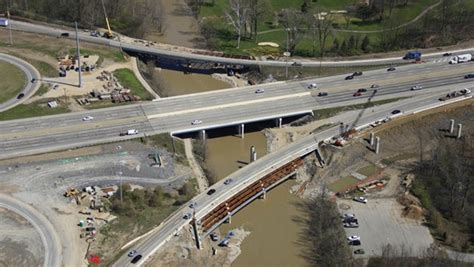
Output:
x,y
351,225
196,122
20,96
359,251
212,191
362,90
322,94
260,91
228,181
360,199
357,94
355,243
416,87
391,69
357,73
136,259
348,215
353,237
350,77
132,253
396,111
350,220
87,118
312,85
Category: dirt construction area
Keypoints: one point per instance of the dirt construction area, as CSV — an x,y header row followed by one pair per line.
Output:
x,y
381,223
20,244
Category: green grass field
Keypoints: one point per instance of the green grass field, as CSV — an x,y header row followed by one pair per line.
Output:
x,y
128,79
31,110
342,183
12,81
368,170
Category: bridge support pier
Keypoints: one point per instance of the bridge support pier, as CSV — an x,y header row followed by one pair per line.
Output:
x,y
203,135
451,126
459,131
377,144
196,235
264,195
241,129
320,158
279,122
372,136
229,218
253,154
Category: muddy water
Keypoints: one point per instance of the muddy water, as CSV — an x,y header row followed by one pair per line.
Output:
x,y
274,233
178,83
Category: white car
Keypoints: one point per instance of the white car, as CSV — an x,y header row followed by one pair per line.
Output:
x,y
312,85
416,87
361,199
348,215
196,122
260,91
87,118
353,237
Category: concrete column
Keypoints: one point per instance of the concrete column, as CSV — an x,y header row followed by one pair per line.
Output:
x,y
341,128
264,195
203,135
196,233
377,144
229,218
372,136
252,151
451,126
242,130
320,158
279,122
459,130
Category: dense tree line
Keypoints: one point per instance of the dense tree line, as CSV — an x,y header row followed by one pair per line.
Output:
x,y
445,185
131,17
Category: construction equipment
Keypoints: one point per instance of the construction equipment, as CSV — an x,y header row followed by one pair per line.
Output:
x,y
108,34
71,192
156,157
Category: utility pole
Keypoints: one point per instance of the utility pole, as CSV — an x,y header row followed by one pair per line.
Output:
x,y
10,27
78,54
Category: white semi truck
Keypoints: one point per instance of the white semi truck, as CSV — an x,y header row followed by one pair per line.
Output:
x,y
461,59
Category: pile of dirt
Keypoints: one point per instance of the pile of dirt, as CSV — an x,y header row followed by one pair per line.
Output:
x,y
412,208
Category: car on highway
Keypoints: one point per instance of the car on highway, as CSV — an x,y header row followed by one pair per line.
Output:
x,y
362,90
360,199
374,86
359,251
355,243
447,54
312,85
65,34
196,122
192,205
187,216
212,191
132,253
350,77
391,69
322,94
260,91
469,76
353,237
227,181
357,94
33,80
87,118
416,87
20,96
395,111
357,73
136,259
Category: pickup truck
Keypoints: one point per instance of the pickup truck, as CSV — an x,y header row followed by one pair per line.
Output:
x,y
129,132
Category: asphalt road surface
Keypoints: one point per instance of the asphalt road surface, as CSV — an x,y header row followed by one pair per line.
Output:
x,y
184,54
252,172
30,87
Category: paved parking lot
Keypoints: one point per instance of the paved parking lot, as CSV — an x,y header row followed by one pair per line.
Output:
x,y
380,223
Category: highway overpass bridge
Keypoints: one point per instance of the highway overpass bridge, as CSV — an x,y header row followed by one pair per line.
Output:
x,y
182,53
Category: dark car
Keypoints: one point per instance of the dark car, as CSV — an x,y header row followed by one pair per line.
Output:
x,y
357,94
355,243
359,251
468,76
396,111
212,191
357,73
350,77
322,94
33,80
362,90
447,54
136,259
391,69
351,220
21,95
65,34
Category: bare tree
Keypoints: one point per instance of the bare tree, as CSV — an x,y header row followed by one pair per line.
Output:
x,y
237,16
321,27
293,21
258,8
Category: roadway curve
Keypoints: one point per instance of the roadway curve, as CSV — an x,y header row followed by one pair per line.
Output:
x,y
49,238
187,54
29,89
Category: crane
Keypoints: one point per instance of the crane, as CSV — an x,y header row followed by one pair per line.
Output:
x,y
108,34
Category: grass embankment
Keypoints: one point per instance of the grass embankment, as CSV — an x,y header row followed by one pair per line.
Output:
x,y
12,81
342,183
128,79
173,145
31,110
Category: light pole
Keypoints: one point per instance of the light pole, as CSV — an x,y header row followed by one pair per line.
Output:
x,y
287,38
119,173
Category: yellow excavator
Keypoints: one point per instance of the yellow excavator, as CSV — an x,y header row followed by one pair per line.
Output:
x,y
108,34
